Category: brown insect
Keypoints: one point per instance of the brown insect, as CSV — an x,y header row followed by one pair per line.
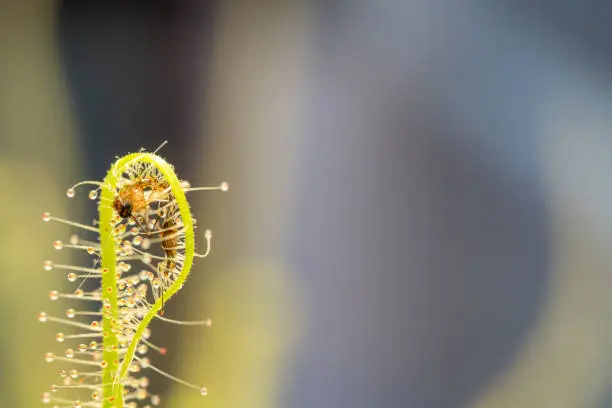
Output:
x,y
169,243
135,199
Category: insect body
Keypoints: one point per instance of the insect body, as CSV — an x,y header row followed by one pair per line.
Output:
x,y
136,197
169,244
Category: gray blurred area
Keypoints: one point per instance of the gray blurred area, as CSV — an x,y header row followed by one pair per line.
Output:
x,y
421,221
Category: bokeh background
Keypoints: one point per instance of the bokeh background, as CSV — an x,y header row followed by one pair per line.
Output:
x,y
419,213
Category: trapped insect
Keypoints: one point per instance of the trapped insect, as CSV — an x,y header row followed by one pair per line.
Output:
x,y
141,257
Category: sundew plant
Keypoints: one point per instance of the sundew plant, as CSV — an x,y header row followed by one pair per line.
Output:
x,y
143,247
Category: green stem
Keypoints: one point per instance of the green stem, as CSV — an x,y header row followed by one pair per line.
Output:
x,y
115,371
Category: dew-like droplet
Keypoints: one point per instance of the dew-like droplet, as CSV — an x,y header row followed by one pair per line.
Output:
x,y
208,234
82,347
60,337
53,388
70,313
46,398
91,250
42,317
79,292
58,244
93,345
70,354
46,217
185,184
71,277
93,194
224,186
47,265
70,192
142,349
203,391
49,357
77,404
155,399
127,247
146,333
74,239
54,295
74,374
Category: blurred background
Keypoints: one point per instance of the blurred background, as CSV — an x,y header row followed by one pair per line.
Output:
x,y
419,213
